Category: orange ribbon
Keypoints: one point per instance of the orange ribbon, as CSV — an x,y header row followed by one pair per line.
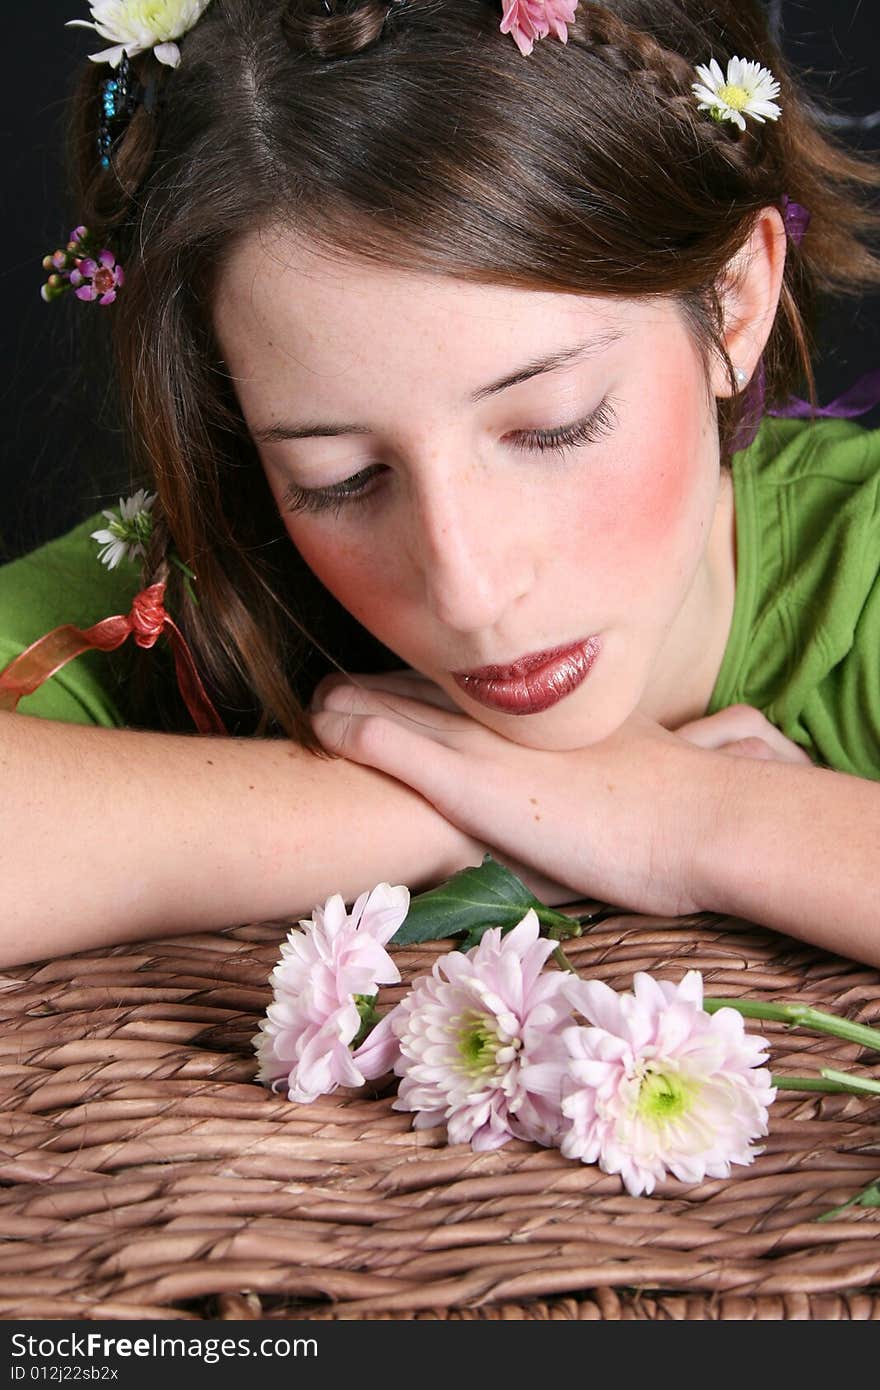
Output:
x,y
147,621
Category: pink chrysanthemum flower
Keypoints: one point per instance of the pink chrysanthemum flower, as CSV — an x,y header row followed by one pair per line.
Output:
x,y
325,983
657,1084
528,20
480,1041
97,278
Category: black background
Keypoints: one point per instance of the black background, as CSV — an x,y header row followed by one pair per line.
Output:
x,y
60,457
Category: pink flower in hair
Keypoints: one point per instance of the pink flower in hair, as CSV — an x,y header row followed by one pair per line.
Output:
x,y
325,985
97,278
81,267
528,20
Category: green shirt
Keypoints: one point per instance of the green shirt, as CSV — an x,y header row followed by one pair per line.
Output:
x,y
804,644
64,582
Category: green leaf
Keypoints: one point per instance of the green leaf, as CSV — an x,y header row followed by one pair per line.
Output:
x,y
364,1003
474,899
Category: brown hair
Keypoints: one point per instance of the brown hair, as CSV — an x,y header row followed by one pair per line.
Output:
x,y
417,133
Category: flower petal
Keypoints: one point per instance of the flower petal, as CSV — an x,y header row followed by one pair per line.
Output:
x,y
167,53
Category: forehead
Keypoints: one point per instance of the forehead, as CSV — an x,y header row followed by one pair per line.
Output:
x,y
352,335
279,296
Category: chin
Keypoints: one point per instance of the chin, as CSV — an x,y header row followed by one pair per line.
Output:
x,y
556,730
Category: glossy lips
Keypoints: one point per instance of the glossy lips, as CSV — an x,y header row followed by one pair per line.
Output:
x,y
533,683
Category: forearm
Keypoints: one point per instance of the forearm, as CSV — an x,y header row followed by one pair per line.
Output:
x,y
795,848
112,835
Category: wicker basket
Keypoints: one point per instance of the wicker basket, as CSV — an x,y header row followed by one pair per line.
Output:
x,y
145,1174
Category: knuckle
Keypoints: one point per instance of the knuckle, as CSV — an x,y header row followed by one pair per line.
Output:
x,y
745,717
752,747
324,689
369,736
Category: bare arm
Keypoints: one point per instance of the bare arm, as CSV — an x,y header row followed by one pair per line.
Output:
x,y
796,848
112,835
643,818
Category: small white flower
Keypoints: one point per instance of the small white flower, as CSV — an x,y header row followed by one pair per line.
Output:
x,y
134,26
129,529
746,90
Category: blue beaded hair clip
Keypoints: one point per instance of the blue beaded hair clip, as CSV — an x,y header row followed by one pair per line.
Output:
x,y
119,97
83,266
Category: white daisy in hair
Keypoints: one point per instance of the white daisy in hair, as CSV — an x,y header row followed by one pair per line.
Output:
x,y
136,26
129,530
747,89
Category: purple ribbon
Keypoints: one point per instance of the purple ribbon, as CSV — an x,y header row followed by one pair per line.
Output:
x,y
796,219
859,398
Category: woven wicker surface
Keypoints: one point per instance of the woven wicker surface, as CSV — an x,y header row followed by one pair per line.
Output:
x,y
145,1174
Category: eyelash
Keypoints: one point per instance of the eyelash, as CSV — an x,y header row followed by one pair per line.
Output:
x,y
354,489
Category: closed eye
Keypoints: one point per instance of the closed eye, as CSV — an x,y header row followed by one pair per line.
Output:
x,y
599,422
357,488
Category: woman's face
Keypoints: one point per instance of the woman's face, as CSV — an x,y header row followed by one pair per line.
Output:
x,y
400,420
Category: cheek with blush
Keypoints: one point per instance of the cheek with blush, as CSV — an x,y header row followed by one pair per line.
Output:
x,y
664,519
365,583
623,532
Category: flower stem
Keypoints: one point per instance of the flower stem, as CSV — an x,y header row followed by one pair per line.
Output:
x,y
828,1081
868,1197
187,575
556,925
599,914
562,960
176,560
801,1014
863,1084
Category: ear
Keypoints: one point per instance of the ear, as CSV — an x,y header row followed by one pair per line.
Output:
x,y
750,287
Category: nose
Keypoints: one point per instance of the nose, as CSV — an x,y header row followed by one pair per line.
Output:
x,y
474,549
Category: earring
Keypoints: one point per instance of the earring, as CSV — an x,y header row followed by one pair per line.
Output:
x,y
741,376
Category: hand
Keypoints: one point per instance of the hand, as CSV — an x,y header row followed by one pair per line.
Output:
x,y
745,732
418,687
620,820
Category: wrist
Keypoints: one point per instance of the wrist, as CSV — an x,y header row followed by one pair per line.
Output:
x,y
739,857
715,805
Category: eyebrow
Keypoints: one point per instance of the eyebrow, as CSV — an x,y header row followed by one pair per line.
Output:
x,y
589,347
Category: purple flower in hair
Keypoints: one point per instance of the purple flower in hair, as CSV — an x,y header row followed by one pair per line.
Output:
x,y
97,278
81,267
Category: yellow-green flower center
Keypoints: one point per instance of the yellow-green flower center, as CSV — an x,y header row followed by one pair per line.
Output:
x,y
737,98
136,530
477,1045
663,1096
165,19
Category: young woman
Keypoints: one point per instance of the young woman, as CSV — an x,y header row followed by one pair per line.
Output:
x,y
444,345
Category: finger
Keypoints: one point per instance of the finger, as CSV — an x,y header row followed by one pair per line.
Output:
x,y
428,718
725,726
742,722
411,684
750,748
